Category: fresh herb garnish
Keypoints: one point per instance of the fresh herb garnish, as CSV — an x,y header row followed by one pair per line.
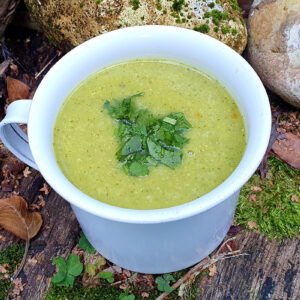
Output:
x,y
146,140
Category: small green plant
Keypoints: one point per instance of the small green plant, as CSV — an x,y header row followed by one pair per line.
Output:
x,y
109,276
163,283
125,296
67,270
84,244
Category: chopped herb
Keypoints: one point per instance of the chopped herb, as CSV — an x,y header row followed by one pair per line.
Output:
x,y
204,28
135,4
177,5
225,29
80,4
144,139
211,5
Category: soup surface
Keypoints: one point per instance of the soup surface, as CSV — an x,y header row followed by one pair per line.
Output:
x,y
85,145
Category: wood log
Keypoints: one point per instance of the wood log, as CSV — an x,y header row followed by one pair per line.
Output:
x,y
270,271
57,237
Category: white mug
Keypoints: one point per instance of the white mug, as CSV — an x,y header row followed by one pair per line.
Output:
x,y
148,241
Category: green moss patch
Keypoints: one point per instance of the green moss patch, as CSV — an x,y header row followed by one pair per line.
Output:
x,y
270,205
10,256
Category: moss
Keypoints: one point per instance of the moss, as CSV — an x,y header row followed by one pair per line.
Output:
x,y
216,15
225,29
273,211
177,5
135,4
107,292
216,29
12,256
234,31
211,5
204,28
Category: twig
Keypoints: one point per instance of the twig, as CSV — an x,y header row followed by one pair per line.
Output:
x,y
46,66
22,262
205,263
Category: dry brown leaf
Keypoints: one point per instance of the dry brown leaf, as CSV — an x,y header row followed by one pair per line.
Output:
x,y
2,270
17,287
255,189
45,189
289,149
15,218
145,295
295,198
26,172
212,270
252,198
252,224
17,89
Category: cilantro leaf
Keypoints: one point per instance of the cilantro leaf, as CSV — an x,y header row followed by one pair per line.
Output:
x,y
138,169
163,283
146,140
134,144
84,244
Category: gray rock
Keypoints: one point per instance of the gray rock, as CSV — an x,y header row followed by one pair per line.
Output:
x,y
274,46
70,23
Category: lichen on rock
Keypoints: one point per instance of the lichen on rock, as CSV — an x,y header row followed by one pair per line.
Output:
x,y
70,23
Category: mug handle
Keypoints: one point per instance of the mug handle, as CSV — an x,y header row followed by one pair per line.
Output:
x,y
11,134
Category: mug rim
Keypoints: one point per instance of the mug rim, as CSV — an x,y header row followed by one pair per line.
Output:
x,y
220,193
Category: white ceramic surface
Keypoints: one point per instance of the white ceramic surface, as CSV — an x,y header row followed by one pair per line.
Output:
x,y
149,241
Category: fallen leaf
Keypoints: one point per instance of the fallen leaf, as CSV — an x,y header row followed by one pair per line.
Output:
x,y
295,198
17,89
15,218
17,287
3,270
288,149
45,188
212,270
252,224
255,189
252,198
113,269
32,261
145,295
26,172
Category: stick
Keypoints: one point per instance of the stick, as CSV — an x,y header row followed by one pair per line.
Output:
x,y
45,67
22,262
205,263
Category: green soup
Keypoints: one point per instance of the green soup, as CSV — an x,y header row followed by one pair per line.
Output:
x,y
85,146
